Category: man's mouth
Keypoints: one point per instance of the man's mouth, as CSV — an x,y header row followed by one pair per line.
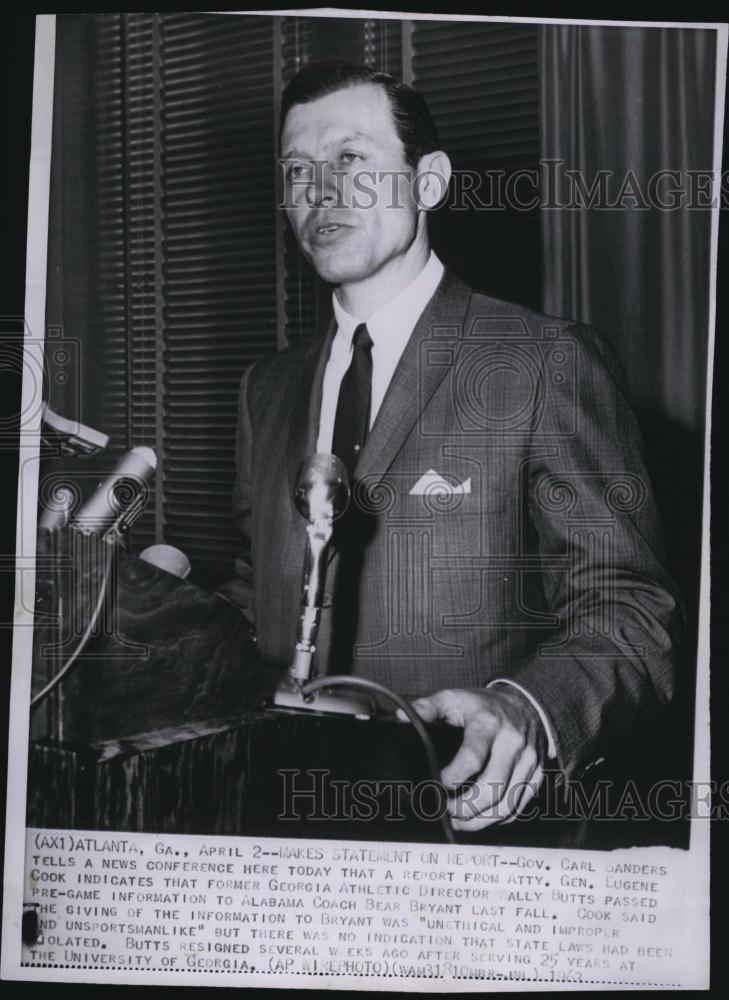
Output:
x,y
330,227
327,231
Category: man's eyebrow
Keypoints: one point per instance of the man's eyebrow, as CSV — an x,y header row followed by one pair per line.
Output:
x,y
354,137
294,154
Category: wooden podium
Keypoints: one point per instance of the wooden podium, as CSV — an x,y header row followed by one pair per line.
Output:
x,y
162,727
268,772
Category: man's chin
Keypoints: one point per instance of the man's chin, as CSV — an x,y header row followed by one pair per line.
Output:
x,y
337,272
333,263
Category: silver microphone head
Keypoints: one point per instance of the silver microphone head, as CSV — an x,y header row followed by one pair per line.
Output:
x,y
120,498
167,558
322,487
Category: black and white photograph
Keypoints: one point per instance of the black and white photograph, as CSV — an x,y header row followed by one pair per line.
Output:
x,y
363,502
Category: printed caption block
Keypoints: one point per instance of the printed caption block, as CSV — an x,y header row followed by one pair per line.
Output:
x,y
250,909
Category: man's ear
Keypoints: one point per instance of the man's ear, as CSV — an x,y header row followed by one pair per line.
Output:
x,y
431,182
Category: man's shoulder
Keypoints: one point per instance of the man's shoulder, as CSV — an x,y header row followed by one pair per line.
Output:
x,y
276,370
505,321
291,356
518,316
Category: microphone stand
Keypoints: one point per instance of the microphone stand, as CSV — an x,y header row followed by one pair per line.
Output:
x,y
55,707
322,493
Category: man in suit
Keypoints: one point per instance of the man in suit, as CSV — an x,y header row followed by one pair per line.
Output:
x,y
501,560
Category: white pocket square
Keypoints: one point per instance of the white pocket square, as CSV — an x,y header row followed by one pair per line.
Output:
x,y
433,484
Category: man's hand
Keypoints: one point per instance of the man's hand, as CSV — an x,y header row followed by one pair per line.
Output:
x,y
501,757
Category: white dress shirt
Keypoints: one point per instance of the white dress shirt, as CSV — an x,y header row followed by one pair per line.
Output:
x,y
390,329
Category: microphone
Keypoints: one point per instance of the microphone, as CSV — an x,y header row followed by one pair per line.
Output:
x,y
118,500
322,487
168,559
112,508
73,437
321,495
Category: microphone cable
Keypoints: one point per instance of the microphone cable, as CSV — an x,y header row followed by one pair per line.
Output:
x,y
362,683
83,642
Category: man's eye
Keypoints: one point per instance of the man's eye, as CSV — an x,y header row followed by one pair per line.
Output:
x,y
295,171
350,157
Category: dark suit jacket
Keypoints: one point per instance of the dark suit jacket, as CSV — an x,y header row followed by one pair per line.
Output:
x,y
549,571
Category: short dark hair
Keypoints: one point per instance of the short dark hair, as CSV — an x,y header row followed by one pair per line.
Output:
x,y
413,121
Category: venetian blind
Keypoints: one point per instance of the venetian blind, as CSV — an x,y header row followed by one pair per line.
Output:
x,y
481,82
187,241
301,289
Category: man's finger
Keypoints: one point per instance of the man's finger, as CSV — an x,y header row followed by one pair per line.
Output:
x,y
491,786
426,709
472,754
455,707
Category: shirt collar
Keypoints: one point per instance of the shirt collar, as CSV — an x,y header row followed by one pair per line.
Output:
x,y
399,315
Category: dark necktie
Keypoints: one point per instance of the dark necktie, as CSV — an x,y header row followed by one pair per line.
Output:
x,y
353,406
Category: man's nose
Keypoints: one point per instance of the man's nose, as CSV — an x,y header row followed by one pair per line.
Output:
x,y
323,189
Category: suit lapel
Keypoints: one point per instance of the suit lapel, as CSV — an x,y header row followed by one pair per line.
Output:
x,y
413,383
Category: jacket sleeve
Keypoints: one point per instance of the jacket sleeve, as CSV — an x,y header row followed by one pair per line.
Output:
x,y
592,519
239,590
